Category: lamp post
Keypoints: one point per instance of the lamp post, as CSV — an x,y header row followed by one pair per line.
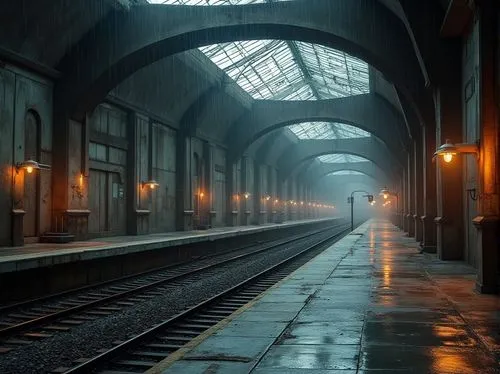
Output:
x,y
385,193
351,201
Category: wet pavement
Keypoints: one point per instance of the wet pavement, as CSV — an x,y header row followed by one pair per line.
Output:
x,y
371,303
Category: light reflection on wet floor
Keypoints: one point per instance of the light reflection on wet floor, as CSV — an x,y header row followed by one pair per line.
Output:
x,y
371,304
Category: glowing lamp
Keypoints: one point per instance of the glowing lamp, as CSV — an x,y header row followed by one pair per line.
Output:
x,y
247,195
152,184
448,150
29,166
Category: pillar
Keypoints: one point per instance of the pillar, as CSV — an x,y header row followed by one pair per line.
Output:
x,y
404,200
70,144
448,102
488,220
245,202
184,188
410,185
139,168
209,157
418,187
428,243
232,195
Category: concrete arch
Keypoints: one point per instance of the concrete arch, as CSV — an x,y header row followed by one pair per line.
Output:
x,y
353,179
368,112
368,168
128,41
363,147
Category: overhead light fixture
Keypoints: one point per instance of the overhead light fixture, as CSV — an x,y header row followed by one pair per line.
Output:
x,y
152,184
448,150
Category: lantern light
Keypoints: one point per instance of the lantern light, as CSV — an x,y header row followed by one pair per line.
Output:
x,y
448,150
30,165
152,184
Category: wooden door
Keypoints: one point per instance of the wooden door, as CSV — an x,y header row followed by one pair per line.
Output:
x,y
98,191
116,200
31,180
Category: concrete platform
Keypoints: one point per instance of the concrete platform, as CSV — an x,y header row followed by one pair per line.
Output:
x,y
38,255
369,304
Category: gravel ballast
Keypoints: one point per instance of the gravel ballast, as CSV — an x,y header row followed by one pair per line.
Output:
x,y
85,340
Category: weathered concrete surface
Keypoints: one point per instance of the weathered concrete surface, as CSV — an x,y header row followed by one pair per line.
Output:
x,y
368,304
318,171
368,148
369,112
148,33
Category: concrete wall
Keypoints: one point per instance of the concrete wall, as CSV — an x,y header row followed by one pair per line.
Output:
x,y
164,163
471,133
21,92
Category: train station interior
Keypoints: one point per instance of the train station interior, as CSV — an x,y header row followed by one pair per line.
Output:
x,y
139,136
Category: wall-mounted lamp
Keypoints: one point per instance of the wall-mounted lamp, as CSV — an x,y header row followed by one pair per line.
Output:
x,y
267,197
247,195
152,184
30,165
448,150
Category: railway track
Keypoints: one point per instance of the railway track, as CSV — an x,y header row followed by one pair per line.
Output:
x,y
145,350
24,323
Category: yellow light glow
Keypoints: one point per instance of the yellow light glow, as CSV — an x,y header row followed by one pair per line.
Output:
x,y
202,195
268,198
447,157
386,196
152,186
276,201
80,180
247,195
29,169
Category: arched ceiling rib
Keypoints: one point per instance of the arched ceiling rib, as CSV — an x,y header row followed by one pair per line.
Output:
x,y
151,32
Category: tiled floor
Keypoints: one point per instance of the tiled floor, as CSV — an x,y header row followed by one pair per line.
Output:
x,y
369,304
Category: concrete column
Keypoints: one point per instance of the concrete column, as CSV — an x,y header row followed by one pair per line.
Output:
x,y
488,220
410,197
404,200
245,187
139,169
184,188
70,150
292,196
273,206
401,201
449,219
429,193
418,188
231,193
209,208
282,205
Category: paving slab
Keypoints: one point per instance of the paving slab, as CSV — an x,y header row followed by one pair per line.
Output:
x,y
39,255
373,306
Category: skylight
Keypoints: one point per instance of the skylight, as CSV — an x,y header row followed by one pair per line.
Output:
x,y
208,2
327,130
346,172
285,70
341,158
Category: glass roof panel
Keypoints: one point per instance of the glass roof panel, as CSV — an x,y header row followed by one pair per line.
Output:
x,y
346,172
326,130
341,158
207,2
285,70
